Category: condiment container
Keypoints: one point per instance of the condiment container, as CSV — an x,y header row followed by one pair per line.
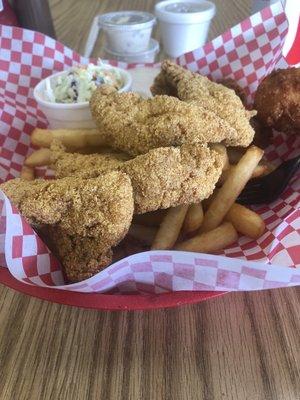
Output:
x,y
71,115
183,24
147,56
127,31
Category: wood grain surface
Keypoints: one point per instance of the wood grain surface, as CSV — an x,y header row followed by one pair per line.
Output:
x,y
238,346
72,18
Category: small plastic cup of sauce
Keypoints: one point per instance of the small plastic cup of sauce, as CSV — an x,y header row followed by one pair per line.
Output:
x,y
184,24
127,31
147,56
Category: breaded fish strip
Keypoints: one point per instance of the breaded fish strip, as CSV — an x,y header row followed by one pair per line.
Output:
x,y
81,257
198,90
136,125
101,207
168,177
162,178
67,164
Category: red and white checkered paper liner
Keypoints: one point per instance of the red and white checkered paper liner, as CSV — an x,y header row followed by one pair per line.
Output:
x,y
246,52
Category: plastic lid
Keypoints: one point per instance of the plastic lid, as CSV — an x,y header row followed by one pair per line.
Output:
x,y
127,20
183,12
152,48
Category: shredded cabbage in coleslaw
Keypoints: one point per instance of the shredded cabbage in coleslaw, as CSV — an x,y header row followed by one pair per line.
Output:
x,y
78,85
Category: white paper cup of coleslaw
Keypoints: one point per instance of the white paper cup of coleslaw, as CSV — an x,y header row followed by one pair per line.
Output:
x,y
184,24
71,115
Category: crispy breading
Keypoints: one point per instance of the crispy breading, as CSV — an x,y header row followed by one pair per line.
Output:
x,y
66,164
81,257
168,177
162,178
198,90
101,207
79,219
136,125
233,85
162,86
262,134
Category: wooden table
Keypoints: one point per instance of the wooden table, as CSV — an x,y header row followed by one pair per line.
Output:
x,y
239,346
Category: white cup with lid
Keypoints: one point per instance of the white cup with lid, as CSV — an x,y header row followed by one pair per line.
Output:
x,y
184,24
126,32
147,56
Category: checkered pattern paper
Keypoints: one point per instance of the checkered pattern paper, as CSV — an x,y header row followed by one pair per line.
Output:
x,y
29,260
246,52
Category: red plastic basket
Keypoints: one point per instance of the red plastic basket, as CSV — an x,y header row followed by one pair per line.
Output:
x,y
107,302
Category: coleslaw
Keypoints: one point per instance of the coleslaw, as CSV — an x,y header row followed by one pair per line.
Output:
x,y
80,82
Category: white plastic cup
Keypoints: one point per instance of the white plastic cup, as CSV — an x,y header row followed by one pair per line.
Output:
x,y
127,31
184,24
147,56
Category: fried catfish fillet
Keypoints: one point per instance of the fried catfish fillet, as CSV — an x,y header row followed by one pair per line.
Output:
x,y
79,219
136,125
81,257
162,178
196,89
101,207
70,164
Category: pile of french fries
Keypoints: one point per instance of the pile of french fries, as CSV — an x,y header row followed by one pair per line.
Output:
x,y
206,227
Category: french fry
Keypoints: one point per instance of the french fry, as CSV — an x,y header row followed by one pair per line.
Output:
x,y
207,202
264,168
70,138
209,242
193,218
144,234
228,193
271,167
224,176
153,218
38,158
221,149
170,227
261,169
27,173
245,221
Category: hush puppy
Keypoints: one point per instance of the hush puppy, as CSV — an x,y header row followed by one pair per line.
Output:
x,y
277,100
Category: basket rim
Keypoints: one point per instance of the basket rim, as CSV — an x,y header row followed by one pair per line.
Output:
x,y
107,302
